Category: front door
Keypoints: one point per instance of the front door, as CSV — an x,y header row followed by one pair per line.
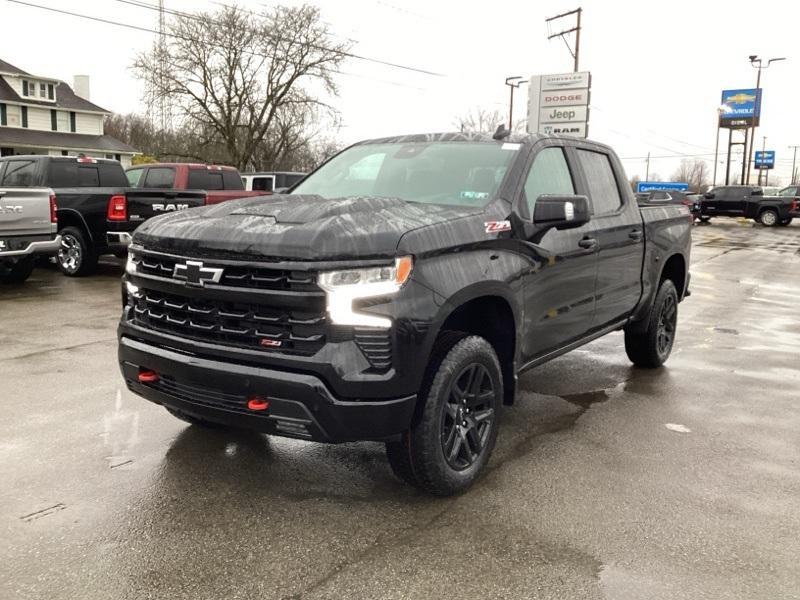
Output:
x,y
619,231
559,291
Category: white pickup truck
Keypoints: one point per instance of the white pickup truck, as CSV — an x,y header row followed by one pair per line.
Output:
x,y
28,227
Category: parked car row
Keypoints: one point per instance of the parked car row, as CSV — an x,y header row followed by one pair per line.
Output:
x,y
93,206
779,207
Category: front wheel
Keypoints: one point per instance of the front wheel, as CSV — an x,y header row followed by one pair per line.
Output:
x,y
16,271
769,218
650,347
450,442
786,222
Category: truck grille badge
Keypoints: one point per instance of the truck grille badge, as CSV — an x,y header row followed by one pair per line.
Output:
x,y
194,273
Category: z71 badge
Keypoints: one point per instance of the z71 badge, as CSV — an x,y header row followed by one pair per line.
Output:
x,y
497,226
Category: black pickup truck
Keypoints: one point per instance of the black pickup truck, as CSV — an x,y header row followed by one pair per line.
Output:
x,y
749,202
97,211
397,293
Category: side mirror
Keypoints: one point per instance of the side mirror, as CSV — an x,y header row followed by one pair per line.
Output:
x,y
708,195
561,212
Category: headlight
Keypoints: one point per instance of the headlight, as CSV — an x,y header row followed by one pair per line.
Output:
x,y
130,266
343,287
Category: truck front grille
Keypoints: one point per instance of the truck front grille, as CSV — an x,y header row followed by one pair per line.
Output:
x,y
245,325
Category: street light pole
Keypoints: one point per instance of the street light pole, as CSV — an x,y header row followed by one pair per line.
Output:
x,y
794,160
753,60
513,83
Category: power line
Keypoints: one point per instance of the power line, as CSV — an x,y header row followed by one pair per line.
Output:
x,y
184,38
269,36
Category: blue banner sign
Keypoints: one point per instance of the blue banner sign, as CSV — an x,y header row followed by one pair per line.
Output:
x,y
765,159
650,186
741,105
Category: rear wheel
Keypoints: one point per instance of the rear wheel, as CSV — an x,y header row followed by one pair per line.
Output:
x,y
450,442
75,257
786,222
705,219
769,218
650,347
16,271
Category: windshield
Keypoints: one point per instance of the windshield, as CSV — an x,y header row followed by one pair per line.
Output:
x,y
457,173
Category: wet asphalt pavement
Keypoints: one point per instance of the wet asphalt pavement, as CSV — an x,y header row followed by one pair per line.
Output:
x,y
607,481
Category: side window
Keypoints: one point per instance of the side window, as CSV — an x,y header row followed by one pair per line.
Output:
x,y
263,184
159,177
134,175
88,176
203,179
20,173
231,180
603,189
549,174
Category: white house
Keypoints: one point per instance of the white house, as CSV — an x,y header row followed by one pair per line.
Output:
x,y
41,115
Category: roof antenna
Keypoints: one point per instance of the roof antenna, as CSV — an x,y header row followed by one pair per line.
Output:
x,y
501,132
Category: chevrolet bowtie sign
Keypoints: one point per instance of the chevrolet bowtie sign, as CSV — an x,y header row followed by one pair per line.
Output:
x,y
559,104
194,273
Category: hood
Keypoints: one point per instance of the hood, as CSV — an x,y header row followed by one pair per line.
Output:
x,y
282,227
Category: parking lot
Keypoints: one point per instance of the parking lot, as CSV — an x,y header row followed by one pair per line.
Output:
x,y
607,482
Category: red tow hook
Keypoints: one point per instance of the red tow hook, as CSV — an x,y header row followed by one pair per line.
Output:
x,y
147,376
257,403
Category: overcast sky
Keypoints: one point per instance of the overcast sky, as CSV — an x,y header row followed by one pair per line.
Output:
x,y
658,68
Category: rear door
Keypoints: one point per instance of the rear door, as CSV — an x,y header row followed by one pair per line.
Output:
x,y
619,233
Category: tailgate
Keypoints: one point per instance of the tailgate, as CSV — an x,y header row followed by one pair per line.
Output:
x,y
146,203
25,211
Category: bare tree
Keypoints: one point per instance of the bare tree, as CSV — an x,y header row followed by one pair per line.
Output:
x,y
695,172
241,81
485,120
633,181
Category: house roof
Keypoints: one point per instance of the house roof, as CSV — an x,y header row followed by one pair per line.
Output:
x,y
65,96
11,136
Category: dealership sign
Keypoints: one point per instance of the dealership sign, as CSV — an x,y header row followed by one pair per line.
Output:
x,y
558,104
651,186
740,108
765,159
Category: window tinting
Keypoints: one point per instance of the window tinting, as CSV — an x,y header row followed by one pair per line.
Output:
x,y
549,174
603,188
62,174
20,173
88,176
112,175
263,184
133,176
231,180
159,177
203,179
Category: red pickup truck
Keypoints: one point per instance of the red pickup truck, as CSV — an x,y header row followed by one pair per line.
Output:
x,y
219,182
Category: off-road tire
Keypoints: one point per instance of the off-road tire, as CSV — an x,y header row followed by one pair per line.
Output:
x,y
419,457
16,272
76,257
646,347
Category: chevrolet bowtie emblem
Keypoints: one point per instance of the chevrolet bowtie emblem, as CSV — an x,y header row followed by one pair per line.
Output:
x,y
194,273
739,99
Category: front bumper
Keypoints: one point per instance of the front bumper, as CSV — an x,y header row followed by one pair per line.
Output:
x,y
26,248
300,405
118,239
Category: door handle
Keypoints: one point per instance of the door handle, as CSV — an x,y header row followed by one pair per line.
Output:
x,y
636,235
588,243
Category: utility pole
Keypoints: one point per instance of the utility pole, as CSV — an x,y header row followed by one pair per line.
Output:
x,y
761,170
562,34
513,83
794,160
647,171
749,149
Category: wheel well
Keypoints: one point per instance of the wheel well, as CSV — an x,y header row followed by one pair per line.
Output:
x,y
766,208
491,318
70,219
675,271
